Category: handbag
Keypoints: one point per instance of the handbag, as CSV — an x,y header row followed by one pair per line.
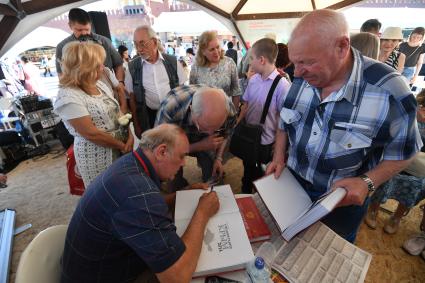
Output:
x,y
76,184
246,138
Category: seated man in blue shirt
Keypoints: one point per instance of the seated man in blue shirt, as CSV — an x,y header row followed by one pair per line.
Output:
x,y
348,121
121,227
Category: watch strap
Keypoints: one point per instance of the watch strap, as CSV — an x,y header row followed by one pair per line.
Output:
x,y
369,182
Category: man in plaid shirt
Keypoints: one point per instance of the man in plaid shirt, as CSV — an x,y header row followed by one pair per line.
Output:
x,y
207,115
347,121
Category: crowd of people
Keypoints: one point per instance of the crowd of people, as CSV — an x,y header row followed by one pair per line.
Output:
x,y
340,113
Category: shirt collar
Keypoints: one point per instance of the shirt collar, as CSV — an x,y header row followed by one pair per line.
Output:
x,y
160,57
153,175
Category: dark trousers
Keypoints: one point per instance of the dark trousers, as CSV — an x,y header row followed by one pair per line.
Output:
x,y
151,116
346,220
252,172
204,161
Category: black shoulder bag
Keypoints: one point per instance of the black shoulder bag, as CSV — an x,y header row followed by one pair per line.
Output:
x,y
246,138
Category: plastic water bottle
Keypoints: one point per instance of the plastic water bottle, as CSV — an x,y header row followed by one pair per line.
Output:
x,y
258,271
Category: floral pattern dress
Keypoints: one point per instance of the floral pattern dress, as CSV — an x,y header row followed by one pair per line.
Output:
x,y
91,159
223,76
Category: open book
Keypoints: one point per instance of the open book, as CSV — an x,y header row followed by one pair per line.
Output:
x,y
289,204
225,246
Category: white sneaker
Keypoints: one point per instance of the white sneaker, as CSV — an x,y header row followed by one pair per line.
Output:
x,y
415,245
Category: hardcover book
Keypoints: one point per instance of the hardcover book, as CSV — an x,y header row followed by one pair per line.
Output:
x,y
255,226
290,206
226,246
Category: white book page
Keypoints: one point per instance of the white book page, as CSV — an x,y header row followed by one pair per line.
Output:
x,y
284,197
187,201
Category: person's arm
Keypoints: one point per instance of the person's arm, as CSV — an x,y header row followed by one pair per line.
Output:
x,y
211,142
119,74
85,127
235,90
58,59
183,77
401,61
136,124
418,68
183,268
244,108
278,163
357,189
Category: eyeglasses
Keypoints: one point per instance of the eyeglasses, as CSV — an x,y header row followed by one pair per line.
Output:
x,y
143,44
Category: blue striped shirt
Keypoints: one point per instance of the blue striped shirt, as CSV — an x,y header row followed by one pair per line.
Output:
x,y
370,119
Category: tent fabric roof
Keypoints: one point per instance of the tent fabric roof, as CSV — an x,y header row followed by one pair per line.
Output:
x,y
19,17
182,23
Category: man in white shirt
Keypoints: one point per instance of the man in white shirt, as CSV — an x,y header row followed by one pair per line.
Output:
x,y
153,74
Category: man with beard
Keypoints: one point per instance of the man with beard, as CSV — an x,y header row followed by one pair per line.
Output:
x,y
153,74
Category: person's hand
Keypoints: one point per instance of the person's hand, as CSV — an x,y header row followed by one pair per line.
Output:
x,y
413,80
275,167
208,204
197,186
211,142
218,169
357,191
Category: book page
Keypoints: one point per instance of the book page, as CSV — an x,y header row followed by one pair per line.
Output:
x,y
317,254
187,201
285,198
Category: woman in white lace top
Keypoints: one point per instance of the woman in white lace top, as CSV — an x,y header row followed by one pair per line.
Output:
x,y
213,69
89,110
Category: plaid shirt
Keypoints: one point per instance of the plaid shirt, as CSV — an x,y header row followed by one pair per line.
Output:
x,y
120,227
370,119
174,109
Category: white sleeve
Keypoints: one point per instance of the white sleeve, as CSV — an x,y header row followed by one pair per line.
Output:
x,y
112,77
69,106
181,73
128,81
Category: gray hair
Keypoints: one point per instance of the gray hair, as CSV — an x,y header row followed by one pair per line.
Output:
x,y
198,102
325,24
148,29
367,43
166,134
152,34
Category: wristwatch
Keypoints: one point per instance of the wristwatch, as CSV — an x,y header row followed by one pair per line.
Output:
x,y
369,182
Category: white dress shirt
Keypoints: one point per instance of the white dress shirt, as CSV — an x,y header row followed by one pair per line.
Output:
x,y
156,82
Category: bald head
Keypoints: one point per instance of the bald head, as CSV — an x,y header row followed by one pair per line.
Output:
x,y
324,26
210,108
319,48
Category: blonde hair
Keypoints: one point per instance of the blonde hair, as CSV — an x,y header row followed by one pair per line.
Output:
x,y
80,64
367,43
205,38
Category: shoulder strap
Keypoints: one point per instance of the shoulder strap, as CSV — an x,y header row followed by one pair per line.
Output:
x,y
269,99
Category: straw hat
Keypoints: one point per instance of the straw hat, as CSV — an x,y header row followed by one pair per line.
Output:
x,y
392,33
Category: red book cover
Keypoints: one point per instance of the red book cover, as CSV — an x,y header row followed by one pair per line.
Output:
x,y
255,226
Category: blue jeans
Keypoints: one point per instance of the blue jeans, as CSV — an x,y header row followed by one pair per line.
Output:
x,y
409,72
346,220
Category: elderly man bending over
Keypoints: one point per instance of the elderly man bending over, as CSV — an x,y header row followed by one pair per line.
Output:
x,y
348,121
207,115
121,226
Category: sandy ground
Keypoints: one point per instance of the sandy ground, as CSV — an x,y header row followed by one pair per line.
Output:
x,y
38,191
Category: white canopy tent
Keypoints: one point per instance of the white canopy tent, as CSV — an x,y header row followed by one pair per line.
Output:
x,y
37,38
188,23
246,18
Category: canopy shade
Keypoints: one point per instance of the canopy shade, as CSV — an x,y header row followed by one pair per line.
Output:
x,y
252,19
246,18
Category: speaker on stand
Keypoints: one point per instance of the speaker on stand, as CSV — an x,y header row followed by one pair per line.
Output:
x,y
100,23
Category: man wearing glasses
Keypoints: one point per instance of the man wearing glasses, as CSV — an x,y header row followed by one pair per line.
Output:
x,y
207,115
153,75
